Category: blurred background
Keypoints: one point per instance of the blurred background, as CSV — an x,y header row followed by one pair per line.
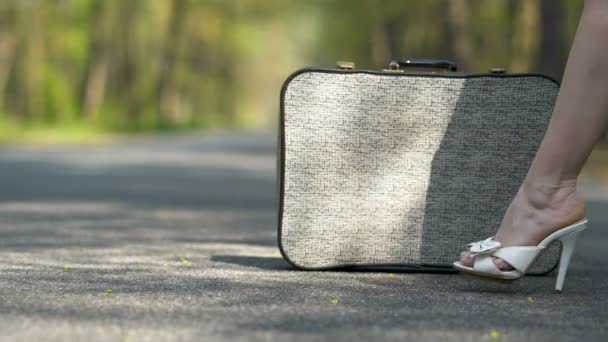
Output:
x,y
82,69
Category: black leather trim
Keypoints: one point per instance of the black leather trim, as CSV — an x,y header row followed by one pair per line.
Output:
x,y
281,164
426,63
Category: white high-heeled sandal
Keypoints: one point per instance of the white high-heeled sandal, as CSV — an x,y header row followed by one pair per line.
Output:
x,y
521,257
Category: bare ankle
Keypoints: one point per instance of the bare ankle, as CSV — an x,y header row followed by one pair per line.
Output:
x,y
548,185
561,195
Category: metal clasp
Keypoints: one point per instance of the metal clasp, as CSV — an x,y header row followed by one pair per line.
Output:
x,y
345,65
498,70
393,66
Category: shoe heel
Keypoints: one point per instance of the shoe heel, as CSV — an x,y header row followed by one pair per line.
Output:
x,y
568,243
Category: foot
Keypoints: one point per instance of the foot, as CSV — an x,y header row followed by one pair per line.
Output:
x,y
538,209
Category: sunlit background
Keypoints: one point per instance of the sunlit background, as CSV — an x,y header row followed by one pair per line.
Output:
x,y
85,70
84,67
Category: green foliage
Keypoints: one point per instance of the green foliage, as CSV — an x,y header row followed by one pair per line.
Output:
x,y
139,65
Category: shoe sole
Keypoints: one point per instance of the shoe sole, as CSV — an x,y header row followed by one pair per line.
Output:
x,y
486,277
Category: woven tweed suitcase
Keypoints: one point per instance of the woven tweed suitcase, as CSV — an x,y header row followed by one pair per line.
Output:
x,y
403,167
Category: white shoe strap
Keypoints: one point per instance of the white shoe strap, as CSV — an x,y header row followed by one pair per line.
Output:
x,y
520,257
483,263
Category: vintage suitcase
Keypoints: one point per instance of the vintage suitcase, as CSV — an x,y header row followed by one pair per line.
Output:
x,y
403,167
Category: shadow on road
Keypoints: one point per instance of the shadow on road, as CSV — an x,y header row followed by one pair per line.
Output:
x,y
183,231
264,263
176,189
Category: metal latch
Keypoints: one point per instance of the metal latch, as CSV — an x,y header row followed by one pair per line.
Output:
x,y
345,65
498,70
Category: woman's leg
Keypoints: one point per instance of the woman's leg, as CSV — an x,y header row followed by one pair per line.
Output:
x,y
548,199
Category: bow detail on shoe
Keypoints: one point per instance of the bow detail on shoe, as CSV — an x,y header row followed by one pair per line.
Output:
x,y
484,246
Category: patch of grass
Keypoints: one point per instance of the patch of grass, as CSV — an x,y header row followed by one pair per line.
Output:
x,y
13,132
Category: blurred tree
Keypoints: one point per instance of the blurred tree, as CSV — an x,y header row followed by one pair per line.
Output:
x,y
167,93
98,60
458,33
551,58
8,41
140,64
525,36
29,71
131,60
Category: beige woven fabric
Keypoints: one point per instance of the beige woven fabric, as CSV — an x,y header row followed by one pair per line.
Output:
x,y
383,169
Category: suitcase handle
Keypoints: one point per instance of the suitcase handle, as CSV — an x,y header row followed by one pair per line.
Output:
x,y
422,63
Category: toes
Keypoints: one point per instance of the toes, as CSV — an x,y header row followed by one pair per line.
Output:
x,y
466,259
502,265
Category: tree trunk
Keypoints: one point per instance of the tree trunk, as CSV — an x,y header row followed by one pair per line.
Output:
x,y
167,93
95,87
30,62
378,49
393,34
525,37
99,64
7,53
458,33
551,57
130,67
512,11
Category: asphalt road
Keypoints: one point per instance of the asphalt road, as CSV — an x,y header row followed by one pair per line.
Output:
x,y
181,231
